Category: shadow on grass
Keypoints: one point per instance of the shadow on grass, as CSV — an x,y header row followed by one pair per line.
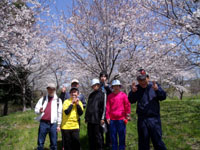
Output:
x,y
59,146
84,142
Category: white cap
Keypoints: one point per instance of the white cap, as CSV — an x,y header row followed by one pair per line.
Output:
x,y
51,85
74,81
95,81
116,82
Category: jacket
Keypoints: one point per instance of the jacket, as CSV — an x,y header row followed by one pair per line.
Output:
x,y
70,115
147,100
56,113
118,106
106,89
95,107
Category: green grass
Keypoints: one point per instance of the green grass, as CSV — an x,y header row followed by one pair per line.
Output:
x,y
180,123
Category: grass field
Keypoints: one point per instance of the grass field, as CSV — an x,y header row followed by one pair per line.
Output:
x,y
180,123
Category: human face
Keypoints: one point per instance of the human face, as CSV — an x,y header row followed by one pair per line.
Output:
x,y
74,94
143,83
75,85
95,87
103,79
51,91
116,88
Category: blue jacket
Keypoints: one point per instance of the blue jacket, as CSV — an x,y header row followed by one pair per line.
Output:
x,y
147,100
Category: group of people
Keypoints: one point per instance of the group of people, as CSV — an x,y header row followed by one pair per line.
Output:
x,y
108,110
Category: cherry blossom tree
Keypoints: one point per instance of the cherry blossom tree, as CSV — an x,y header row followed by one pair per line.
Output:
x,y
184,17
23,41
121,37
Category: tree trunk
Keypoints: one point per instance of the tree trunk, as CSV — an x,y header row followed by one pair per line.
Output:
x,y
5,108
31,103
181,95
24,98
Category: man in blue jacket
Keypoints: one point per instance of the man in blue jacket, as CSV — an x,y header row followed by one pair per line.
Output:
x,y
147,95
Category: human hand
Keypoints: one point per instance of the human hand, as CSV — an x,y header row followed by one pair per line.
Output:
x,y
41,110
128,118
73,100
58,129
102,122
134,87
77,101
108,121
155,86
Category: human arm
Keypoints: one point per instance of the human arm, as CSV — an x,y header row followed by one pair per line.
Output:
x,y
102,106
79,107
69,109
160,93
38,107
127,107
59,113
82,98
133,96
108,110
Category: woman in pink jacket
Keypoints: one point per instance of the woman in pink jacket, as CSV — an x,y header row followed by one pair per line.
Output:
x,y
117,113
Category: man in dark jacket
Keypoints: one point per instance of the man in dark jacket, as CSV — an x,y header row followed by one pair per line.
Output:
x,y
105,87
93,116
147,95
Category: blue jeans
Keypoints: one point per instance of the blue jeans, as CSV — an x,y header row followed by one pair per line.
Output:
x,y
118,127
44,129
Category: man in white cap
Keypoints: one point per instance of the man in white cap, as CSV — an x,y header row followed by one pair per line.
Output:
x,y
75,83
49,109
94,116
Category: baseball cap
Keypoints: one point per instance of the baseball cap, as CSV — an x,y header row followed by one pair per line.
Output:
x,y
74,81
141,75
51,85
73,88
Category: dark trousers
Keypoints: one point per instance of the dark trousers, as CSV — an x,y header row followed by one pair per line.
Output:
x,y
44,129
71,139
150,128
118,129
95,136
108,138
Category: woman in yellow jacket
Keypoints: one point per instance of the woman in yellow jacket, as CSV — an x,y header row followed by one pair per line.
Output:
x,y
72,109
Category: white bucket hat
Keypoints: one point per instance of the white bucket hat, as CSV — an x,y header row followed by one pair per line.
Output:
x,y
116,82
95,81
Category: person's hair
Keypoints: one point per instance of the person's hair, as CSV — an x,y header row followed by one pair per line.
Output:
x,y
74,90
103,73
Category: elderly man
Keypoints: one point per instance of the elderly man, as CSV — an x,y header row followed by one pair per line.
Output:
x,y
49,109
148,96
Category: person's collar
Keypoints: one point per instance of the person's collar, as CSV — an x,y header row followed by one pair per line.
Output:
x,y
54,96
116,93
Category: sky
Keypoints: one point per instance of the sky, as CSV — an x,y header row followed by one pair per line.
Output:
x,y
61,5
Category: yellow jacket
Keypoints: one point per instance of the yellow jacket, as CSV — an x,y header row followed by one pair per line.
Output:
x,y
70,121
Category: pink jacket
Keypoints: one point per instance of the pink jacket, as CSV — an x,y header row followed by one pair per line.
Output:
x,y
117,106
